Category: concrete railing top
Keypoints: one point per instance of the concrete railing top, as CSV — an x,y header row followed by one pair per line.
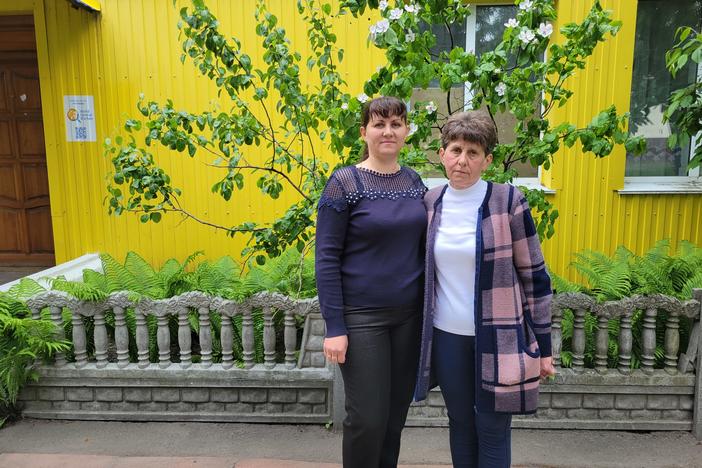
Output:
x,y
612,309
173,305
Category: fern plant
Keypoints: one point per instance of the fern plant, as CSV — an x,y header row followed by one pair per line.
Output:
x,y
23,343
291,274
658,271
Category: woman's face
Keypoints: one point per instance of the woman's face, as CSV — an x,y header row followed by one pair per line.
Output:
x,y
464,162
385,136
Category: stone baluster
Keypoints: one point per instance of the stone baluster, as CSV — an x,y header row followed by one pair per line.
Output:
x,y
578,339
268,338
142,339
205,337
601,344
625,342
247,338
60,334
100,337
121,337
227,340
290,338
648,340
163,339
79,339
672,342
184,341
556,336
36,314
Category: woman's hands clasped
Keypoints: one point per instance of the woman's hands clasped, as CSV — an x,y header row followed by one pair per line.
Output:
x,y
335,348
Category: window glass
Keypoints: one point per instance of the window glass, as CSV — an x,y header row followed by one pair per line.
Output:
x,y
486,35
656,23
489,28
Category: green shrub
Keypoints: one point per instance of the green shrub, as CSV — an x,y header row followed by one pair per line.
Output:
x,y
291,274
23,343
624,274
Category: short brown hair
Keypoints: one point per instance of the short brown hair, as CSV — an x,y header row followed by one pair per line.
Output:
x,y
473,126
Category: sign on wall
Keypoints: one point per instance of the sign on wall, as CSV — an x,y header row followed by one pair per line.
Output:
x,y
79,114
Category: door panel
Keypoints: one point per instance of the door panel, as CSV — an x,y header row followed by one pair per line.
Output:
x,y
8,188
3,95
30,137
34,181
41,239
26,236
9,231
25,87
5,142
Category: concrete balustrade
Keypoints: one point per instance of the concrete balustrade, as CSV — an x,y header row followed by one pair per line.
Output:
x,y
188,382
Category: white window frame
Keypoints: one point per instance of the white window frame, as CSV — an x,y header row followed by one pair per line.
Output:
x,y
690,183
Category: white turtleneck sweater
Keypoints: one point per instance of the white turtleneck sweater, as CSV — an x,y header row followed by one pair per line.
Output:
x,y
454,254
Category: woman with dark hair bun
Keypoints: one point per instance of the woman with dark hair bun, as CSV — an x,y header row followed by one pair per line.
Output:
x,y
370,265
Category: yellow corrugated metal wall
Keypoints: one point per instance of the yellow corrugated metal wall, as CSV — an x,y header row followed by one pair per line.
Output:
x,y
133,47
593,215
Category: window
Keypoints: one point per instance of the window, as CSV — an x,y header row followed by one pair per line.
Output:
x,y
656,23
481,32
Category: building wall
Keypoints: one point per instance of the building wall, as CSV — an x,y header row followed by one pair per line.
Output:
x,y
132,47
593,215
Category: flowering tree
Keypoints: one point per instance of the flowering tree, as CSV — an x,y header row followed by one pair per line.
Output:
x,y
511,78
685,105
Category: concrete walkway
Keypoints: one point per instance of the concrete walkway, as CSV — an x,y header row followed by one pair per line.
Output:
x,y
93,444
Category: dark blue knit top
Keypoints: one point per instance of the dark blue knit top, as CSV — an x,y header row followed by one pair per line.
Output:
x,y
370,242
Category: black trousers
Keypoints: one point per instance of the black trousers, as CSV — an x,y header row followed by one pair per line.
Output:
x,y
379,376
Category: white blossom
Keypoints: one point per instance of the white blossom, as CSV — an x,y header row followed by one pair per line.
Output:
x,y
412,8
512,23
431,107
500,89
412,128
363,97
344,106
383,5
410,36
526,35
380,27
545,29
395,14
497,71
526,5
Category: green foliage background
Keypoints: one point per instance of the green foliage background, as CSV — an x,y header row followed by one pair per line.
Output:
x,y
625,274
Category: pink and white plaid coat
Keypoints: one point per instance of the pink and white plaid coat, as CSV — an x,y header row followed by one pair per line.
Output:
x,y
512,303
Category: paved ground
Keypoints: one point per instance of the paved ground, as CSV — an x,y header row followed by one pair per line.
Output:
x,y
88,444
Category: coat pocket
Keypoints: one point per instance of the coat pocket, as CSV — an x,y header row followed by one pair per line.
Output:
x,y
518,357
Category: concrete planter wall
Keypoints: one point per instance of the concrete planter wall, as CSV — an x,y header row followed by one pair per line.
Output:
x,y
303,389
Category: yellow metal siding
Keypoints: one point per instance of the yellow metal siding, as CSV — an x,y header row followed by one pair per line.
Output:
x,y
593,215
132,46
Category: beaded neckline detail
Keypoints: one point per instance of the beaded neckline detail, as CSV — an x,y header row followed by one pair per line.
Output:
x,y
350,184
380,174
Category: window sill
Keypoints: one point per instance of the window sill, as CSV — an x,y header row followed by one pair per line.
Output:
x,y
662,185
528,182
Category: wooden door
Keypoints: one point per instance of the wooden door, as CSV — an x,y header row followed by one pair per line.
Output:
x,y
26,237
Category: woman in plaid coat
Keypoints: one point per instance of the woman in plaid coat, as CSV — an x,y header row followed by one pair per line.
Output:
x,y
486,336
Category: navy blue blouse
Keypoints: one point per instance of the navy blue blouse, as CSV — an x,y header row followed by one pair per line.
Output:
x,y
370,242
